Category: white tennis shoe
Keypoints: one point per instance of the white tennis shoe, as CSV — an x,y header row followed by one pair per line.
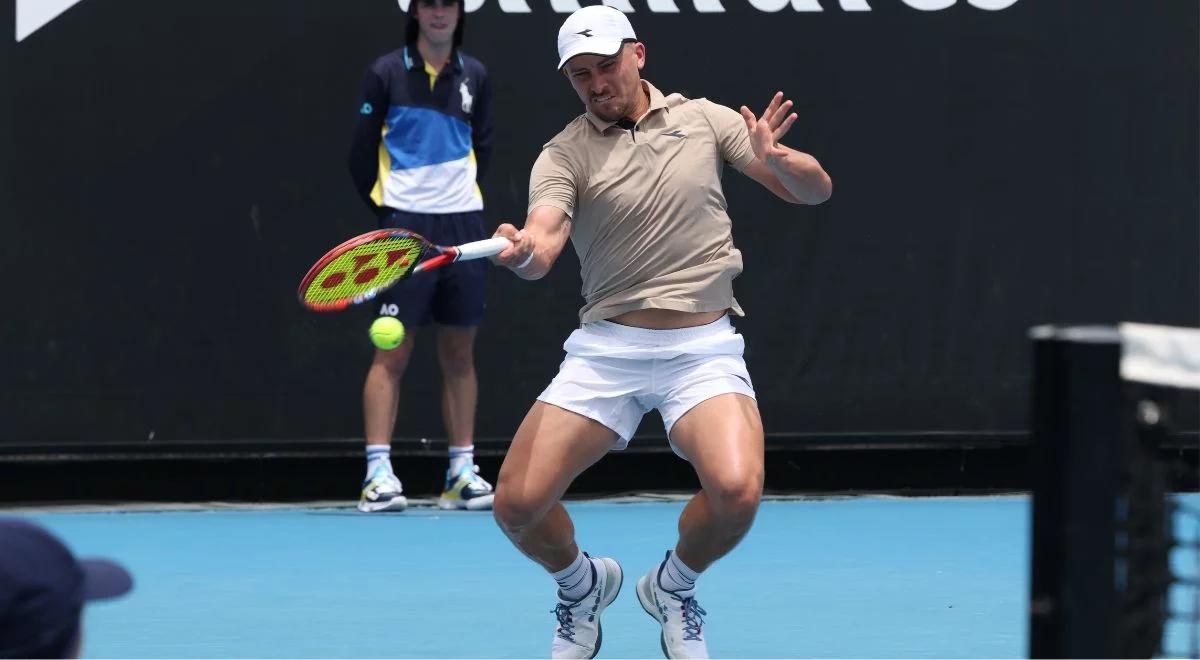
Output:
x,y
578,633
382,492
682,619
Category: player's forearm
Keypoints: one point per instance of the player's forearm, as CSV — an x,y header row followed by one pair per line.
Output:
x,y
548,243
538,264
537,245
802,176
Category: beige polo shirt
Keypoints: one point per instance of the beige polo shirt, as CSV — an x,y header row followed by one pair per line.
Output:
x,y
647,209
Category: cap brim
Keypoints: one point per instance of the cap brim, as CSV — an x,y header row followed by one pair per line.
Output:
x,y
598,47
104,579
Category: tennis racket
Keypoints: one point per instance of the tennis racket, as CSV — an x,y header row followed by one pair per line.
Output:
x,y
359,269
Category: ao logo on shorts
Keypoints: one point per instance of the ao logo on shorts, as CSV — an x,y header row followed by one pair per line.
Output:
x,y
389,309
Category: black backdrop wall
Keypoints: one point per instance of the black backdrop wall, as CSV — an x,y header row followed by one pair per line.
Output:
x,y
175,167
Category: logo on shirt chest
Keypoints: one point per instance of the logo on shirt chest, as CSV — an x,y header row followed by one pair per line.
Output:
x,y
675,134
467,99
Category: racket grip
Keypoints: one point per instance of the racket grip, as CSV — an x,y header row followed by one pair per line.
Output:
x,y
484,248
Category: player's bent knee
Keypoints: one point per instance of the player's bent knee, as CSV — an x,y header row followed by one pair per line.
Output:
x,y
513,513
737,497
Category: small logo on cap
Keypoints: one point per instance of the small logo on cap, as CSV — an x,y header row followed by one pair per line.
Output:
x,y
586,33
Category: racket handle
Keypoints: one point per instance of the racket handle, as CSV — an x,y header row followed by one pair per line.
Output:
x,y
484,248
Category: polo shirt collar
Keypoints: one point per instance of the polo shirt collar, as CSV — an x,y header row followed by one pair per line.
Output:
x,y
657,101
414,62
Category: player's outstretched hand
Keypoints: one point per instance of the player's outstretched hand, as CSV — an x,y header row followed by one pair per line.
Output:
x,y
767,130
520,253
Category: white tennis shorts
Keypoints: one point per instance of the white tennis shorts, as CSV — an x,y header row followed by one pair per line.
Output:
x,y
615,373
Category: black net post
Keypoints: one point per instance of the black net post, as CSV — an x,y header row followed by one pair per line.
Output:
x,y
1076,482
1101,530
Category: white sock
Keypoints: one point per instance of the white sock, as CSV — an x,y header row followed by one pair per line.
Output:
x,y
461,457
576,580
674,575
376,455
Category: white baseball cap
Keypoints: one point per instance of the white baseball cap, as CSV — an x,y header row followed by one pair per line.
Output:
x,y
593,30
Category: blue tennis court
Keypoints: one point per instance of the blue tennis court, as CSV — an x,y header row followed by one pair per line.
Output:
x,y
826,577
852,577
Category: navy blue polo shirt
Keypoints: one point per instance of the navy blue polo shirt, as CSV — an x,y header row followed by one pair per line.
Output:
x,y
423,138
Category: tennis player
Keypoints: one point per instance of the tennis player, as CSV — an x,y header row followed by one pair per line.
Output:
x,y
634,182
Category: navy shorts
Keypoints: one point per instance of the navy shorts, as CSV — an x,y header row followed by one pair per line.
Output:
x,y
450,295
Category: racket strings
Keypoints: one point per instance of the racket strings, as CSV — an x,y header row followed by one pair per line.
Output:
x,y
364,270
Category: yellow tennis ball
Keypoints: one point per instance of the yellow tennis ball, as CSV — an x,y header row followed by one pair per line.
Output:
x,y
387,332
